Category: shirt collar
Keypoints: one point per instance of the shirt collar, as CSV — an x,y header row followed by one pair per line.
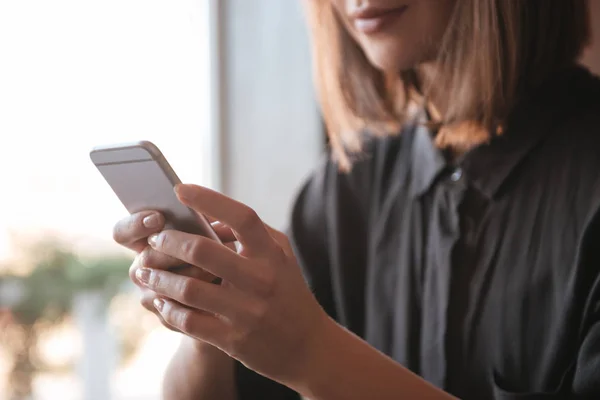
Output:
x,y
488,166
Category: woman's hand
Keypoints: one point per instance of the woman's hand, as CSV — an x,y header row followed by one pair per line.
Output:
x,y
263,314
133,232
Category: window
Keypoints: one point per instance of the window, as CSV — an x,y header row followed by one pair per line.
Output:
x,y
74,74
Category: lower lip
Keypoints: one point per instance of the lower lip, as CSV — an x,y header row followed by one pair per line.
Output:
x,y
376,24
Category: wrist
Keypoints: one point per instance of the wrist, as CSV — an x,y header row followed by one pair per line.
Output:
x,y
340,365
199,371
201,351
316,365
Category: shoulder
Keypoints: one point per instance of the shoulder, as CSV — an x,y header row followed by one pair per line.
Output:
x,y
578,111
381,160
330,201
567,164
572,147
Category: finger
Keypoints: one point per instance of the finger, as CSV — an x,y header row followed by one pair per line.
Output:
x,y
197,294
224,232
150,258
211,256
205,327
281,239
165,323
250,229
147,301
132,231
226,235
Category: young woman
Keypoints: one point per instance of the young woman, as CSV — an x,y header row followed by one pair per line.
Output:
x,y
449,245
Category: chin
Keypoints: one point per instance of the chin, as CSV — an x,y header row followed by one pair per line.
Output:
x,y
389,59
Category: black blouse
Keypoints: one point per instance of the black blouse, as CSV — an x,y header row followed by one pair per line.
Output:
x,y
482,277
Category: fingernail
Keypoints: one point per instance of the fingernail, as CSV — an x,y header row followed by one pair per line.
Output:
x,y
152,240
151,221
158,304
143,275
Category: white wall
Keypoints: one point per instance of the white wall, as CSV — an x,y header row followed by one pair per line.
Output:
x,y
269,117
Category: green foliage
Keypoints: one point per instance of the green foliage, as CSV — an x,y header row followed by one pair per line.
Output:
x,y
50,288
44,298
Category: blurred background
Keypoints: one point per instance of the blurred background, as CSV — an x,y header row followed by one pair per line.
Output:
x,y
216,84
223,87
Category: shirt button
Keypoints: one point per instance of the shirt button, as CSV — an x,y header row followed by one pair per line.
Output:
x,y
456,175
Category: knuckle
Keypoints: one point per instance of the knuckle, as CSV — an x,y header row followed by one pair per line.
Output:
x,y
151,258
259,312
281,238
146,302
184,320
155,280
185,288
281,255
168,315
144,259
237,343
248,219
265,282
194,248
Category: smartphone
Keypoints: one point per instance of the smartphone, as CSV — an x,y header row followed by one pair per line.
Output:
x,y
143,180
